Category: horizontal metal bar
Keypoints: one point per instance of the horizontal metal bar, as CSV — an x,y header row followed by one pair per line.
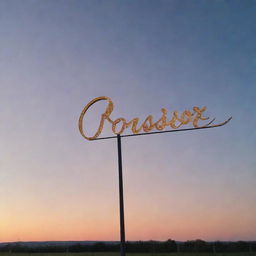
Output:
x,y
179,130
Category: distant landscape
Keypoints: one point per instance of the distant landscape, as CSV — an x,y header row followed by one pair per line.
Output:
x,y
194,247
128,254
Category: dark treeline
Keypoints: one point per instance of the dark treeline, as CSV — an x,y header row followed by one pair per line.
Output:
x,y
140,247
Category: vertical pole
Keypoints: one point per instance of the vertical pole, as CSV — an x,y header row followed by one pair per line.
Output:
x,y
121,198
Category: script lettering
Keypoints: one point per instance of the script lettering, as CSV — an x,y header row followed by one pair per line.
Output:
x,y
175,122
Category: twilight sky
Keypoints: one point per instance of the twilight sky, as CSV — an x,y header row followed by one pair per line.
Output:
x,y
56,56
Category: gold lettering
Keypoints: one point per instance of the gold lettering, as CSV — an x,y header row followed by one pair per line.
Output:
x,y
198,113
134,123
118,120
161,123
176,121
148,127
104,116
185,114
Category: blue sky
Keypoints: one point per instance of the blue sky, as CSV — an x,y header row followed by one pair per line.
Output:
x,y
56,56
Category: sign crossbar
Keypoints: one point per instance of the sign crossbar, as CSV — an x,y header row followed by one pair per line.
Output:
x,y
149,133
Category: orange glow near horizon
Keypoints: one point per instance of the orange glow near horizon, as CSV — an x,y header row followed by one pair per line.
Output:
x,y
157,224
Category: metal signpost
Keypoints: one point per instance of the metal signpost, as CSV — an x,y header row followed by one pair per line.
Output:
x,y
185,118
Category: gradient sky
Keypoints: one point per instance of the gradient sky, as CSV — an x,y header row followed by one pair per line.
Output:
x,y
56,56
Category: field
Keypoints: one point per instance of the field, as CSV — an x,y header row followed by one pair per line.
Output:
x,y
128,254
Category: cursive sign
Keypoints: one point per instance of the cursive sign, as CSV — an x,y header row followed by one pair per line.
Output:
x,y
176,121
